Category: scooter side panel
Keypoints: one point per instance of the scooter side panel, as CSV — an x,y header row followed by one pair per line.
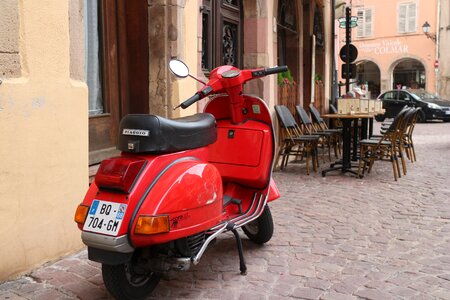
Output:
x,y
243,152
191,194
154,167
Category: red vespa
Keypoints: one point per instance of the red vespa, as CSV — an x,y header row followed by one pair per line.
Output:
x,y
180,183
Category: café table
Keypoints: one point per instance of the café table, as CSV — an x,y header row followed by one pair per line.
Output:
x,y
345,165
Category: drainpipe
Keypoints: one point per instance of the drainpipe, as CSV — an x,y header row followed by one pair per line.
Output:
x,y
333,60
438,25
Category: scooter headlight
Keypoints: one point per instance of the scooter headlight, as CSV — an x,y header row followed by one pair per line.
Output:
x,y
152,224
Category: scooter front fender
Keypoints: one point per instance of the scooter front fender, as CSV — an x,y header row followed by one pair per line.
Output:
x,y
190,193
274,193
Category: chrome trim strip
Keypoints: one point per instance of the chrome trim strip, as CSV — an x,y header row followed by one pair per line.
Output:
x,y
150,187
109,243
196,258
260,210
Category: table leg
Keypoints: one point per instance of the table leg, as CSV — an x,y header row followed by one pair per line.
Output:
x,y
346,164
355,139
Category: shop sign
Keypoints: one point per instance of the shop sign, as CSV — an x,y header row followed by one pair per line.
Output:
x,y
384,47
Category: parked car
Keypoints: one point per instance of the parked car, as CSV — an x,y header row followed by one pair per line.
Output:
x,y
433,108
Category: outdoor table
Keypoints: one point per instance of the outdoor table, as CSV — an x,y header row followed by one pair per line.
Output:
x,y
347,120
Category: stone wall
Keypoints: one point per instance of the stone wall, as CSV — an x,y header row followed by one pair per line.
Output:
x,y
9,39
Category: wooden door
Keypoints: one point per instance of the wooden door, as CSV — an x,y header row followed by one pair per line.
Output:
x,y
124,60
221,34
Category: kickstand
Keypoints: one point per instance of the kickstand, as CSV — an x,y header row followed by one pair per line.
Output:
x,y
242,266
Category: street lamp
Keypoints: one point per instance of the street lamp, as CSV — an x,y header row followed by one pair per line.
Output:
x,y
426,30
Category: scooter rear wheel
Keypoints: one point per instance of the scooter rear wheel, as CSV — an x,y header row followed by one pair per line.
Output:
x,y
260,231
124,282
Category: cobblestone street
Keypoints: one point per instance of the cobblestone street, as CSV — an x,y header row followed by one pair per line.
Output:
x,y
336,237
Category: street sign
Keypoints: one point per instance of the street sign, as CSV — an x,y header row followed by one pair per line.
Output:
x,y
351,74
353,22
352,51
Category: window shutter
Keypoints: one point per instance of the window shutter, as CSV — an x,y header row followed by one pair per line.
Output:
x,y
368,22
360,28
402,18
411,17
364,28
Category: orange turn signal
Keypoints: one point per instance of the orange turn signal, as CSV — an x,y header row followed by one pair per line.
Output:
x,y
81,214
152,224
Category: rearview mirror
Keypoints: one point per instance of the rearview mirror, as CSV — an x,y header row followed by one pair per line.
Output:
x,y
178,68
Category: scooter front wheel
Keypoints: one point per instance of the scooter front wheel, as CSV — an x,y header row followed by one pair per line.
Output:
x,y
125,282
260,230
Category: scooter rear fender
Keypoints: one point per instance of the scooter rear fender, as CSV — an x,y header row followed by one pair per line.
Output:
x,y
190,193
165,168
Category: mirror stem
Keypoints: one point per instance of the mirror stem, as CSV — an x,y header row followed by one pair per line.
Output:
x,y
204,83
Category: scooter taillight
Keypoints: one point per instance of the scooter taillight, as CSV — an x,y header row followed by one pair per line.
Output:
x,y
119,173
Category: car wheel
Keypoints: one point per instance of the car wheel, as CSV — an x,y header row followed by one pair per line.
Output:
x,y
380,118
421,117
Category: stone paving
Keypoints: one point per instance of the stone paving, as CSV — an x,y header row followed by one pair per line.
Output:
x,y
336,237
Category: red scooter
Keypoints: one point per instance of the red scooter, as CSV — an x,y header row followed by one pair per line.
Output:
x,y
180,183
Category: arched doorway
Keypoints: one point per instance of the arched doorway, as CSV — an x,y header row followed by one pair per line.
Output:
x,y
368,73
409,73
288,53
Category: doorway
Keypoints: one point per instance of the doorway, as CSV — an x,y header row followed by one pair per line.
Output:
x,y
409,73
369,73
117,69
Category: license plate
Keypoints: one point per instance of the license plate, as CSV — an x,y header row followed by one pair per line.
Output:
x,y
447,112
105,217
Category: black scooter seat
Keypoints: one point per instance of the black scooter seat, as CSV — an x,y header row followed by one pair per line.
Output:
x,y
154,134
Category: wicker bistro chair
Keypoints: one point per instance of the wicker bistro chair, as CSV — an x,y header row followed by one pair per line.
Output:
x,y
407,141
406,117
386,146
336,122
328,138
294,142
321,125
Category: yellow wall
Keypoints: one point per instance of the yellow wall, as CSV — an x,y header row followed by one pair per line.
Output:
x,y
44,143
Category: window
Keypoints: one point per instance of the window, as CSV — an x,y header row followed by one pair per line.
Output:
x,y
93,60
390,95
221,34
364,28
407,17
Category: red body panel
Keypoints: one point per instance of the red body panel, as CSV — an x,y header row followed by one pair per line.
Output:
x,y
242,153
172,193
189,186
191,194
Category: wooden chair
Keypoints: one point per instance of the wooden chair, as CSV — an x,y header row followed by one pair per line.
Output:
x,y
385,146
327,140
322,126
407,140
293,142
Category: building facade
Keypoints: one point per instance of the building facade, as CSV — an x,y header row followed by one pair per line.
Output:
x,y
393,51
443,39
70,69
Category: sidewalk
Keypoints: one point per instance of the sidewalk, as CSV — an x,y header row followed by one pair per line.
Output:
x,y
336,237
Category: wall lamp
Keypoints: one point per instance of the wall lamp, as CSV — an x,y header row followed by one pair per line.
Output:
x,y
426,30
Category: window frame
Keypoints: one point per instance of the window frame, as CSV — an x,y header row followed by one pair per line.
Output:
x,y
363,25
405,28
